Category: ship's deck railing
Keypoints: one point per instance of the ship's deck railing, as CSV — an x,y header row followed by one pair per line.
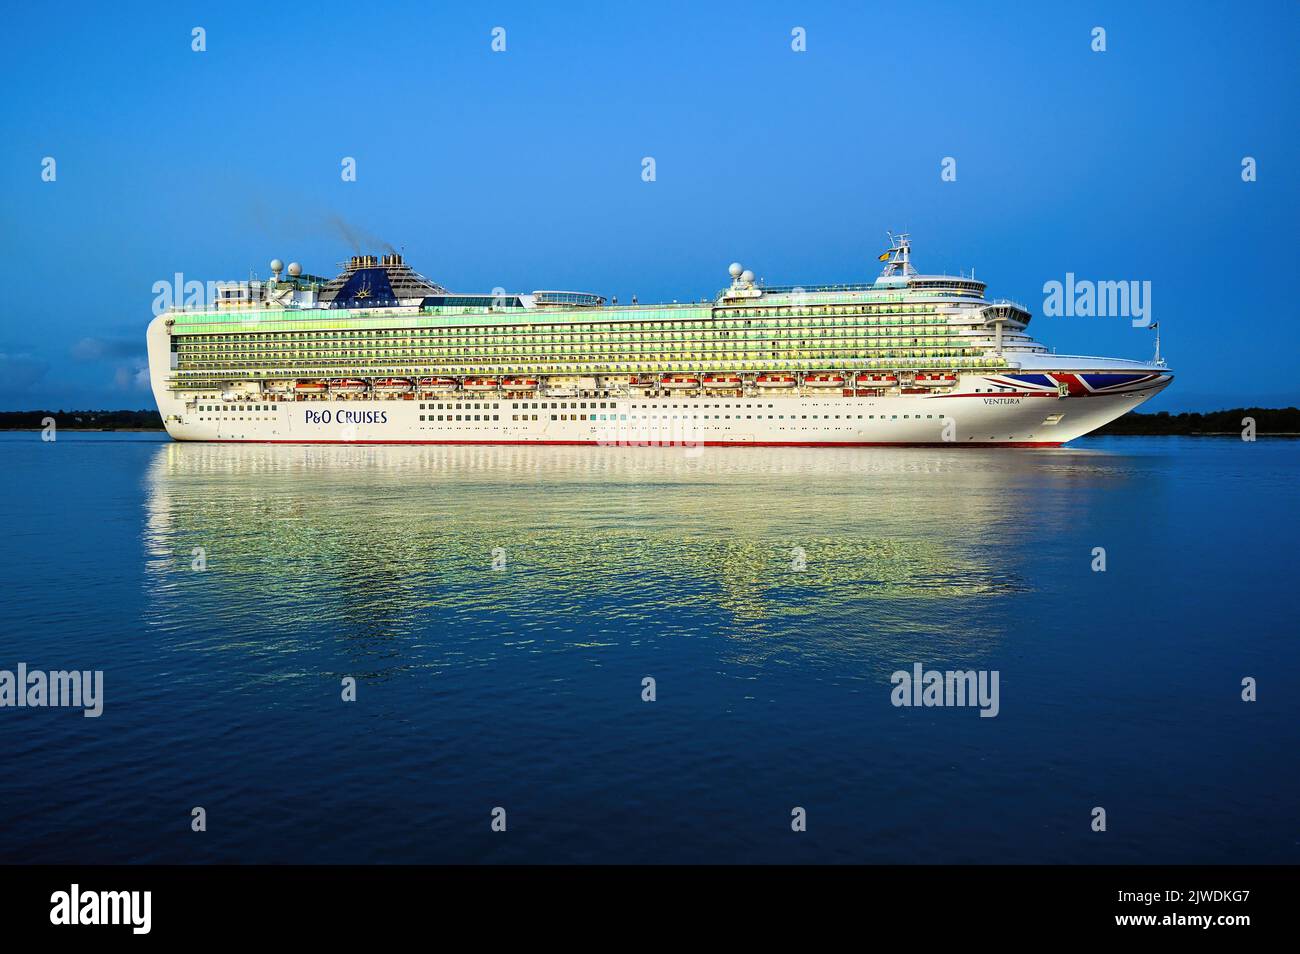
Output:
x,y
848,286
822,295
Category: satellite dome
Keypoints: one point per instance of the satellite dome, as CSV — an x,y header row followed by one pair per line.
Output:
x,y
735,269
294,269
747,276
277,266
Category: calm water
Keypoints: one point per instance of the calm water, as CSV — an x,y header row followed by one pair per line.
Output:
x,y
521,687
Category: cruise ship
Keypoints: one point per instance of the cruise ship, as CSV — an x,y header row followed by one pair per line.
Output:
x,y
380,354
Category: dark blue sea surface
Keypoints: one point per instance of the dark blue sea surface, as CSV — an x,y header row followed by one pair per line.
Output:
x,y
521,686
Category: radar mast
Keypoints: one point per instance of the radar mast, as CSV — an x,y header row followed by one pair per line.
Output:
x,y
898,257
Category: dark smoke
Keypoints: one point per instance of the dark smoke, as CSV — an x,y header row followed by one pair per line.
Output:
x,y
284,224
358,238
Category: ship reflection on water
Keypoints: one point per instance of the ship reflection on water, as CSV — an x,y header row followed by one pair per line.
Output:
x,y
770,594
437,557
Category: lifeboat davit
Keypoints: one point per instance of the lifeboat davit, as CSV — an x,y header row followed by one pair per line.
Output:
x,y
775,381
310,387
723,381
347,386
519,384
392,385
437,384
680,383
824,381
480,384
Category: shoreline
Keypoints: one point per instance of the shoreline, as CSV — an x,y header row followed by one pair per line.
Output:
x,y
90,430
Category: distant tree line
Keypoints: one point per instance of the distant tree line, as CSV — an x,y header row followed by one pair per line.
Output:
x,y
1281,420
82,420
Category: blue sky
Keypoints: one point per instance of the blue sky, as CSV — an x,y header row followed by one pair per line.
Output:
x,y
522,169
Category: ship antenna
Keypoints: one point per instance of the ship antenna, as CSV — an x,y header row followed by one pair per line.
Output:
x,y
900,252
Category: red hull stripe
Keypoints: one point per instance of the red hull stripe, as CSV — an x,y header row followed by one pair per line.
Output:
x,y
679,444
1005,394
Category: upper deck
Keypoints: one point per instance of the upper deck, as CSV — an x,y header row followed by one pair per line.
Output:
x,y
404,325
305,305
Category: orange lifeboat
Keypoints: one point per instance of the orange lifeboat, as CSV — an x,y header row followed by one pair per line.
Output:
x,y
877,380
392,385
680,383
936,380
480,384
730,382
824,381
437,384
310,387
519,384
775,381
347,386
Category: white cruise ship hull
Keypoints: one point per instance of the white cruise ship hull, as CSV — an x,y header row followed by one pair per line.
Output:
x,y
962,417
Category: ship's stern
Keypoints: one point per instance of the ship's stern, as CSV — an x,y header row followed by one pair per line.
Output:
x,y
162,359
